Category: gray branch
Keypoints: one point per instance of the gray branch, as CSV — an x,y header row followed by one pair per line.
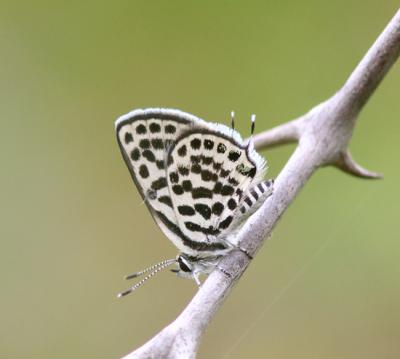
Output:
x,y
323,135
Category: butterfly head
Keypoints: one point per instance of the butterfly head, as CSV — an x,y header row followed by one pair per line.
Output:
x,y
191,267
188,267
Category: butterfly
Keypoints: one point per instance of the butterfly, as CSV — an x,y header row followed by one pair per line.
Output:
x,y
199,180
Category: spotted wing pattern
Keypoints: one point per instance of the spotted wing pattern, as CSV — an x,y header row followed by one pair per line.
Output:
x,y
194,176
208,173
144,137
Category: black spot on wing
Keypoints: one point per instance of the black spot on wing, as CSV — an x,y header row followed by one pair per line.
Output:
x,y
208,144
233,181
166,200
144,144
141,129
128,137
221,148
217,208
203,209
234,155
143,171
157,143
217,166
160,164
224,173
170,129
187,185
217,188
195,143
226,222
194,227
196,168
195,159
207,176
201,192
186,210
183,171
182,151
135,154
149,155
227,190
232,204
261,187
252,172
206,160
154,127
174,177
170,160
177,189
159,183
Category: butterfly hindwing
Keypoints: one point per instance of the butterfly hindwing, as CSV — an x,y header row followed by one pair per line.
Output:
x,y
208,173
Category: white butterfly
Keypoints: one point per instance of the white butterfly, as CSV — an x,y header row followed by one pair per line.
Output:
x,y
200,181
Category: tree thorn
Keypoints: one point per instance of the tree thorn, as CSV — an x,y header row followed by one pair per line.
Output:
x,y
347,164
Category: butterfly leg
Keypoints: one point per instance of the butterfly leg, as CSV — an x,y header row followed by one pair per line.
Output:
x,y
251,201
254,198
196,279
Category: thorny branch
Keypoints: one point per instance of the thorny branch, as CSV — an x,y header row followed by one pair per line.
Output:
x,y
323,135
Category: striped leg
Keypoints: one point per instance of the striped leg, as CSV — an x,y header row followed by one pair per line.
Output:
x,y
255,197
251,201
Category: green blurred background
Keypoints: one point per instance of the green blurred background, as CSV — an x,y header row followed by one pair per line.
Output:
x,y
327,285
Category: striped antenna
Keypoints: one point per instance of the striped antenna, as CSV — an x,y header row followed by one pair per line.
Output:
x,y
157,267
253,124
233,120
137,274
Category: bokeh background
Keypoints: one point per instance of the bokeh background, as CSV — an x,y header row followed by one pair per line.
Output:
x,y
327,285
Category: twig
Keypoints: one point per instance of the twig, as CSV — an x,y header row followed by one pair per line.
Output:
x,y
286,133
323,135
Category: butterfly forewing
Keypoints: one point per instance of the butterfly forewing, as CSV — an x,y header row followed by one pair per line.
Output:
x,y
208,173
144,137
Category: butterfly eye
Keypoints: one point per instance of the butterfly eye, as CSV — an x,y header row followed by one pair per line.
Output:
x,y
184,264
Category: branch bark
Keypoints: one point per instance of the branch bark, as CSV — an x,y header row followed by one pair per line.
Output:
x,y
323,135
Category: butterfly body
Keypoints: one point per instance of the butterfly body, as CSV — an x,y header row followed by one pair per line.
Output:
x,y
200,180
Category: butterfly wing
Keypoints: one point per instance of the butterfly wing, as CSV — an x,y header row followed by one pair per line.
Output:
x,y
144,137
192,175
208,173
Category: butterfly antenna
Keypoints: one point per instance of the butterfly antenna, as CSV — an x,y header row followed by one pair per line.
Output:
x,y
253,124
233,120
158,268
137,274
